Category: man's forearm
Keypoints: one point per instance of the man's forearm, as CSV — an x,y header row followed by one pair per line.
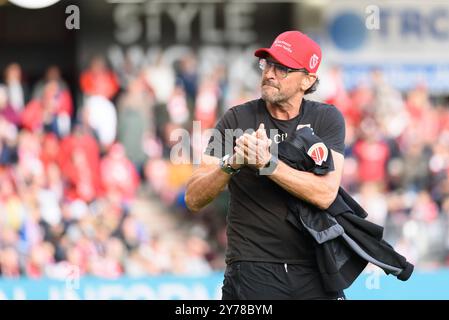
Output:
x,y
317,190
205,187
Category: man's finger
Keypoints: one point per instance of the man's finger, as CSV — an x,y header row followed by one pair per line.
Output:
x,y
249,156
249,137
255,145
240,153
263,132
243,143
252,156
261,127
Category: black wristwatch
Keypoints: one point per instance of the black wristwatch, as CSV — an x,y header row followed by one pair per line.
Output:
x,y
269,167
226,167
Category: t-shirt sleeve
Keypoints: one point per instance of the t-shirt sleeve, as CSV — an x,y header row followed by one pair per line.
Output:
x,y
332,130
222,139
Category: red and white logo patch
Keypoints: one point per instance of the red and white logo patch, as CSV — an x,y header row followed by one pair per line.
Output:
x,y
318,152
313,61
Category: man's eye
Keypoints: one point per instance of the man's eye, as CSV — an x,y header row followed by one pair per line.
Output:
x,y
281,68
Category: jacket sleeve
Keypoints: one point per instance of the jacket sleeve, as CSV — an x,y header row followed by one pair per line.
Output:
x,y
306,151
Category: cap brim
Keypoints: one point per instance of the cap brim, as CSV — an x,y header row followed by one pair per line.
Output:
x,y
279,56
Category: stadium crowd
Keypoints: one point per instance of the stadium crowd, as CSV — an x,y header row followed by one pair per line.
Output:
x,y
74,176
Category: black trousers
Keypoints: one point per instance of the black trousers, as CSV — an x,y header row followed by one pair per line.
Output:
x,y
248,280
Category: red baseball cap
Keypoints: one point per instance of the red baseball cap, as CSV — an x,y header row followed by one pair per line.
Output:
x,y
294,50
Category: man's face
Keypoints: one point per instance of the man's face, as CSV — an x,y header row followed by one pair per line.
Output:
x,y
276,89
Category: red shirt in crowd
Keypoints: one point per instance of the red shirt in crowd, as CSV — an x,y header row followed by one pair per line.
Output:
x,y
104,83
372,157
52,103
79,160
118,173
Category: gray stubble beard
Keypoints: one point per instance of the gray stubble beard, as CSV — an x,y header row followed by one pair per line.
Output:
x,y
273,99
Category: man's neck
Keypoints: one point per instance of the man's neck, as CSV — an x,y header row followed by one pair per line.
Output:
x,y
284,111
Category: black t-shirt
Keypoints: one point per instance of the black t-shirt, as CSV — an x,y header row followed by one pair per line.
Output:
x,y
257,228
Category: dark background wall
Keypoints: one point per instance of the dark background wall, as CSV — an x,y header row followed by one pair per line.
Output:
x,y
37,39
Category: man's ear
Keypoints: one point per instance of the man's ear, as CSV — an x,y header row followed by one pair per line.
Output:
x,y
307,82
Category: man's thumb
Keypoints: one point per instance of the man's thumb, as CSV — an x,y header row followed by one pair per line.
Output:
x,y
261,131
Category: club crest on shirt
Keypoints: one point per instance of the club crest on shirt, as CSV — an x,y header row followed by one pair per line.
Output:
x,y
318,152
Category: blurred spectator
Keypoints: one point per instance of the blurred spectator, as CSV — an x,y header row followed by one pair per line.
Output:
x,y
99,80
206,106
79,159
130,233
51,112
349,179
13,211
160,77
416,173
177,106
422,115
53,73
388,107
335,93
118,174
50,150
17,90
156,170
187,75
28,151
424,208
8,142
372,153
100,115
197,250
9,263
7,112
372,199
361,104
41,256
135,121
109,265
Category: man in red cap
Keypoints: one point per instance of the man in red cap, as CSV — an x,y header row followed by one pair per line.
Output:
x,y
266,257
